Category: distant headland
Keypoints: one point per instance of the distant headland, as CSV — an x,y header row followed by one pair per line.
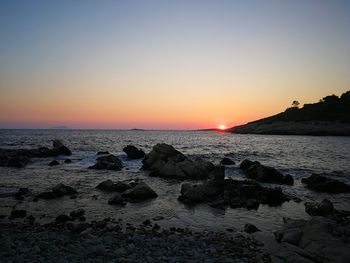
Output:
x,y
329,116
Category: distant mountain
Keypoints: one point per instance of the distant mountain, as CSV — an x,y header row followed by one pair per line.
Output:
x,y
60,127
329,116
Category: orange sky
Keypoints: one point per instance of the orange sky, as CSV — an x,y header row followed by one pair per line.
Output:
x,y
167,65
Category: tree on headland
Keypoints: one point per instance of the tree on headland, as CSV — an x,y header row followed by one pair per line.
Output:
x,y
295,104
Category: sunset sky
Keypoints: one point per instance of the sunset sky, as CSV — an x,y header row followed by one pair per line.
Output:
x,y
167,64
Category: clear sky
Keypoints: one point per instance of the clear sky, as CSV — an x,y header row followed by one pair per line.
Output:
x,y
167,64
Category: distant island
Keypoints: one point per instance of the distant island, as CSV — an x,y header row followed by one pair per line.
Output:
x,y
329,116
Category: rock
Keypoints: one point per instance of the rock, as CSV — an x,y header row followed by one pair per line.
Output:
x,y
250,228
140,192
315,240
61,190
60,149
324,208
321,183
21,157
109,185
21,192
133,153
30,219
77,214
54,163
62,219
262,173
227,161
78,228
68,161
165,161
18,214
103,153
116,200
192,194
58,191
147,222
273,196
108,162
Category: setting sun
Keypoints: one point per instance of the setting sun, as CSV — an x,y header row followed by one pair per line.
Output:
x,y
222,127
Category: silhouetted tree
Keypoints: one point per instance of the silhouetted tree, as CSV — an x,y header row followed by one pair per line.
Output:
x,y
295,104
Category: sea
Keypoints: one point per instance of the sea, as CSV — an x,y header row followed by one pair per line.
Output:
x,y
299,156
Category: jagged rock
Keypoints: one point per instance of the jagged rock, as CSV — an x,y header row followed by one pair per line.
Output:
x,y
321,183
250,228
227,161
165,161
54,163
17,214
59,148
139,192
265,174
133,153
109,185
108,162
117,200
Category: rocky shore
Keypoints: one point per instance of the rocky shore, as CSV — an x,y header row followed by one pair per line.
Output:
x,y
323,237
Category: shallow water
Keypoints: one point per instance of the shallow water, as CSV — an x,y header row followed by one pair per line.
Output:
x,y
296,155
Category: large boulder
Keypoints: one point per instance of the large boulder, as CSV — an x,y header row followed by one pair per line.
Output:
x,y
59,148
323,208
322,183
140,192
319,239
108,162
265,174
227,161
133,153
165,161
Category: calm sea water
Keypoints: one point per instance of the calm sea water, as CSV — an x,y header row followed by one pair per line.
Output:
x,y
297,155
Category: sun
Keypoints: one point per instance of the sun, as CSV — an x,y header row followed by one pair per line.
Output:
x,y
222,127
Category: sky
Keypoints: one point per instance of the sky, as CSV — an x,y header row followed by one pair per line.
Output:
x,y
167,64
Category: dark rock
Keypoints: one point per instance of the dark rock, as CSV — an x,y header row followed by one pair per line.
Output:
x,y
192,194
324,208
18,161
147,222
68,161
262,173
139,193
61,190
21,193
109,185
78,228
227,161
250,228
165,161
53,163
103,153
108,162
76,214
60,149
18,214
30,219
57,191
273,196
116,200
133,153
321,183
62,219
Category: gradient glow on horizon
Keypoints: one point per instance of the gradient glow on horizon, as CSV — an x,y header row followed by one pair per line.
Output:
x,y
167,64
